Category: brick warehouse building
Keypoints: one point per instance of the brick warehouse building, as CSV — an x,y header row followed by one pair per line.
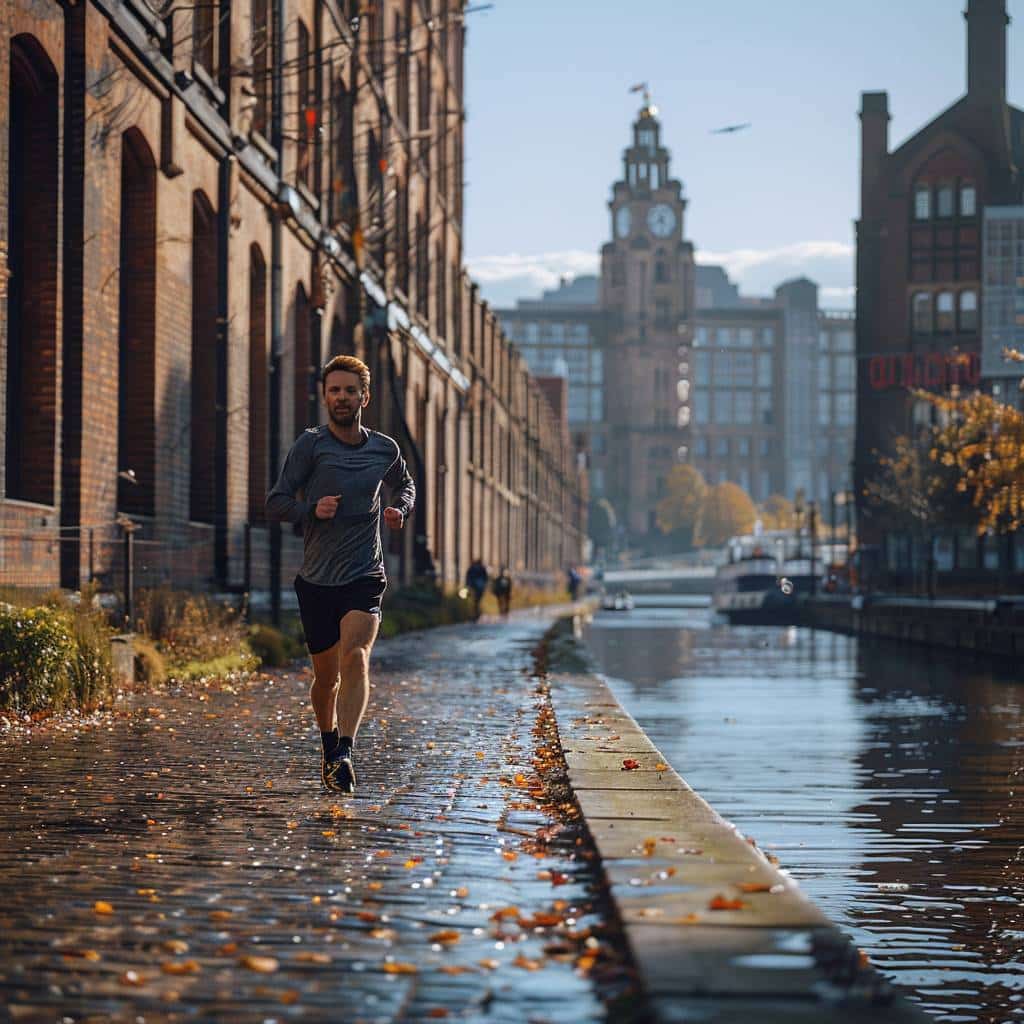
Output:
x,y
920,268
280,181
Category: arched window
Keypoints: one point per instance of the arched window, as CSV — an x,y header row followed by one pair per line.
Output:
x,y
261,65
923,320
259,394
968,199
945,199
945,313
968,311
202,491
660,272
136,421
305,120
31,413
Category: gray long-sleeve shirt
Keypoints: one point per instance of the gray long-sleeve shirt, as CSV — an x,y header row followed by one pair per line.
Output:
x,y
346,548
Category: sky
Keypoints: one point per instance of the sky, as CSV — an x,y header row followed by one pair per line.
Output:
x,y
549,112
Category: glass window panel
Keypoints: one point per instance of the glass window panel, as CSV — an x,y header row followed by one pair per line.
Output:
x,y
824,341
843,341
702,368
764,447
743,446
845,372
701,407
746,337
700,447
767,336
945,201
743,369
968,311
723,369
922,203
596,405
764,370
968,201
722,447
844,403
765,414
824,373
923,323
944,312
701,337
824,409
723,407
725,337
743,407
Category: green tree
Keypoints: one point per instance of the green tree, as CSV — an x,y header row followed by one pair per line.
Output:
x,y
679,511
726,512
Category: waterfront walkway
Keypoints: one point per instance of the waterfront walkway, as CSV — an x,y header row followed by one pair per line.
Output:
x,y
179,861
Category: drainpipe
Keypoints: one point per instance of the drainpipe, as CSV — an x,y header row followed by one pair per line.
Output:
x,y
276,320
220,457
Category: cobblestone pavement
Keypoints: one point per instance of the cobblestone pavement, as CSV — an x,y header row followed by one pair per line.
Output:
x,y
181,861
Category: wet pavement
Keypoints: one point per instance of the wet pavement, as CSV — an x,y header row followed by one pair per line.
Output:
x,y
179,861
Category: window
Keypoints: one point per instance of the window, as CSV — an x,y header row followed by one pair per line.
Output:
x,y
700,338
765,479
702,371
746,337
724,337
306,114
944,203
824,409
722,447
702,407
764,408
723,369
944,313
743,447
661,315
743,407
968,201
743,369
845,372
660,272
824,341
596,367
764,370
824,373
700,447
723,407
922,203
842,341
922,313
844,410
764,447
600,444
968,311
261,65
767,336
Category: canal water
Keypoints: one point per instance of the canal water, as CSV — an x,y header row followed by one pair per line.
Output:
x,y
884,777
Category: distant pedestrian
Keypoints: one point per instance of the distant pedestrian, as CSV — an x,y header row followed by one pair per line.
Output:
x,y
339,468
502,587
573,583
476,583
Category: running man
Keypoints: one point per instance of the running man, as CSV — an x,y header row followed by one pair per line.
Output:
x,y
339,469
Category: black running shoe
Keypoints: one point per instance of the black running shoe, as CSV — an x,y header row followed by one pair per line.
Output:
x,y
338,773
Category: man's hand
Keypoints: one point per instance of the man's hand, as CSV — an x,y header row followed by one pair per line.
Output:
x,y
393,518
327,506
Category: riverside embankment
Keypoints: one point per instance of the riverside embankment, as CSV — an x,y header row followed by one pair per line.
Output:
x,y
992,626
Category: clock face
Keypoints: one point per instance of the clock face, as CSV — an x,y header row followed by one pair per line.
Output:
x,y
622,221
661,219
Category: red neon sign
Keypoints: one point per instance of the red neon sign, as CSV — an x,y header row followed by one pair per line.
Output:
x,y
935,371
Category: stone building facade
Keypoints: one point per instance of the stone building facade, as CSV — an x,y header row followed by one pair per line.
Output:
x,y
198,207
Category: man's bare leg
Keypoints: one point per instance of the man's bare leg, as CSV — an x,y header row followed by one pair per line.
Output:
x,y
323,694
358,632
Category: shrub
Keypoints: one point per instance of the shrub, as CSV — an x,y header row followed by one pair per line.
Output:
x,y
37,649
91,671
150,667
189,627
270,645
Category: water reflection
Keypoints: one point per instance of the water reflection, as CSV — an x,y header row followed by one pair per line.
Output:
x,y
883,777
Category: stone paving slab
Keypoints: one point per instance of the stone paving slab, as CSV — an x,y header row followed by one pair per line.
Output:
x,y
179,861
718,933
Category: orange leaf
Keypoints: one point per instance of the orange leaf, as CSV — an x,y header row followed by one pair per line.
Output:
x,y
220,915
176,946
721,902
394,967
629,765
526,963
462,892
505,914
490,964
259,964
661,767
454,969
509,854
180,967
753,887
366,915
102,907
413,861
374,886
437,1011
310,957
447,938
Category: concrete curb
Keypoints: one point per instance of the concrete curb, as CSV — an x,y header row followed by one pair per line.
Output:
x,y
765,951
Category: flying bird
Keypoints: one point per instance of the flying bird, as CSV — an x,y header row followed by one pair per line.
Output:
x,y
730,128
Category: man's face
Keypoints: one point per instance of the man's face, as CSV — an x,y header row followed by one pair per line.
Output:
x,y
344,397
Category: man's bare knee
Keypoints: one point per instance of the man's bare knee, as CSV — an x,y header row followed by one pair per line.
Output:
x,y
356,658
325,684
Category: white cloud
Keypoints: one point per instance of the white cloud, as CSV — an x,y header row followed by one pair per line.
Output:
x,y
844,296
740,261
540,271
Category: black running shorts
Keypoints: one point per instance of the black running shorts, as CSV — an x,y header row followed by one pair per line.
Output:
x,y
322,608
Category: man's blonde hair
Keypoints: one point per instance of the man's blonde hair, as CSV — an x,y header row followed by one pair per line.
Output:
x,y
349,364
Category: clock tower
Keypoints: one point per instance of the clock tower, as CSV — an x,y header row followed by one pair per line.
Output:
x,y
647,294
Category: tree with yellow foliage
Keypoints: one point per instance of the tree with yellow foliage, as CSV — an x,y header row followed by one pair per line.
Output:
x,y
727,511
679,511
777,513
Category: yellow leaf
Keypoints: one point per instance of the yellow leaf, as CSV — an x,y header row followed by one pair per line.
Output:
x,y
259,964
102,907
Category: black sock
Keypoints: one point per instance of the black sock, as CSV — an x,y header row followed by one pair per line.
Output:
x,y
345,746
330,741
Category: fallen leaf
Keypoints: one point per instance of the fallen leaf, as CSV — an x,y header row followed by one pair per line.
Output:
x,y
437,1011
228,949
383,853
176,946
374,886
721,902
180,967
367,915
328,832
82,954
629,765
412,862
446,938
132,978
102,907
489,964
462,892
526,963
395,967
385,934
661,767
289,996
454,969
220,915
310,957
479,755
505,914
259,964
509,854
753,887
